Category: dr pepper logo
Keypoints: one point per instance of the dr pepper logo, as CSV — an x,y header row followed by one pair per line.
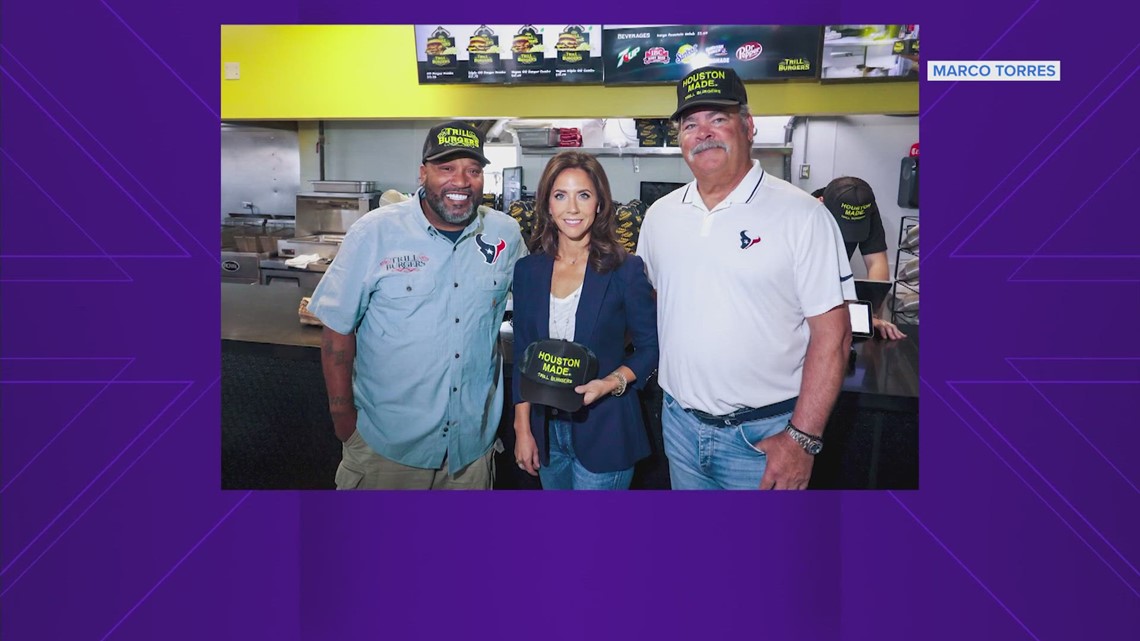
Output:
x,y
749,51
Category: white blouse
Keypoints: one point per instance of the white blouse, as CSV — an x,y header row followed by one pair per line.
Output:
x,y
562,311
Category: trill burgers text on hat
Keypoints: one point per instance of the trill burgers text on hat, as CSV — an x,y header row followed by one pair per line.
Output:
x,y
709,86
454,139
552,368
852,203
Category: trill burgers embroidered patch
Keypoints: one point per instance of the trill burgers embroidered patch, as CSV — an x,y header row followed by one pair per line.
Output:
x,y
552,368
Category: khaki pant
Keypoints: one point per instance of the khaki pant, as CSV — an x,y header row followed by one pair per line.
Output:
x,y
362,469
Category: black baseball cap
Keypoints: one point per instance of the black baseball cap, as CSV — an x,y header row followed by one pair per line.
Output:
x,y
454,138
552,368
709,86
852,202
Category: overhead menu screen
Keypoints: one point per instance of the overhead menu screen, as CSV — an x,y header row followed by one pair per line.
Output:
x,y
664,54
509,54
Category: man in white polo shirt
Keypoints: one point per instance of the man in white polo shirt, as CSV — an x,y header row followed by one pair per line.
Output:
x,y
751,277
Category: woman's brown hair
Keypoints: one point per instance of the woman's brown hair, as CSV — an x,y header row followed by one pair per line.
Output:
x,y
606,253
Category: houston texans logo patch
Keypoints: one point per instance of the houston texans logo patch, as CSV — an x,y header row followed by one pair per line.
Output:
x,y
490,251
745,241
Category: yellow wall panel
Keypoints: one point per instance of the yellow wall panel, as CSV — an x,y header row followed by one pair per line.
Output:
x,y
293,72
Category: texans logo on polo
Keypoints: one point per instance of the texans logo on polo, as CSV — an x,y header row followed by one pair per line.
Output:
x,y
746,241
490,251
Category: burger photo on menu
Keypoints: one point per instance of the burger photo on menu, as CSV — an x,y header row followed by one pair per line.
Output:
x,y
527,46
483,47
440,48
573,45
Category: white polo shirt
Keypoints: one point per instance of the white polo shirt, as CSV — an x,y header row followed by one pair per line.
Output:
x,y
735,286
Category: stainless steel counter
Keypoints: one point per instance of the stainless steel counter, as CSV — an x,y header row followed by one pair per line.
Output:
x,y
261,318
884,376
872,436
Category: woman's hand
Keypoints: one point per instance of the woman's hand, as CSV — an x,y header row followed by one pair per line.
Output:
x,y
596,389
526,451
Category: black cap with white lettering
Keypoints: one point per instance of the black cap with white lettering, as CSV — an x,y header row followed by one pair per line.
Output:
x,y
552,368
710,86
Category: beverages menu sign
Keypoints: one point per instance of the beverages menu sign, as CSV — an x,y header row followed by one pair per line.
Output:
x,y
508,54
664,54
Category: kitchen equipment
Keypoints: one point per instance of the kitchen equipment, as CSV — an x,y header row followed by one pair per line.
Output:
x,y
537,136
909,270
323,218
344,186
255,233
302,278
332,213
910,239
324,245
241,267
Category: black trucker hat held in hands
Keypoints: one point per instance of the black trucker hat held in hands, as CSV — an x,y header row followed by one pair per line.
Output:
x,y
718,86
552,368
453,139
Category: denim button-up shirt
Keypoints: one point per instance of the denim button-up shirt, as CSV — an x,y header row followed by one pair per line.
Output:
x,y
427,379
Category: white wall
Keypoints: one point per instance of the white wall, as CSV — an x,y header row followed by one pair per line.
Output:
x,y
869,147
386,151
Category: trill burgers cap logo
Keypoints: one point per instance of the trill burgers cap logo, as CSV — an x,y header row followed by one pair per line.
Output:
x,y
710,86
552,368
454,139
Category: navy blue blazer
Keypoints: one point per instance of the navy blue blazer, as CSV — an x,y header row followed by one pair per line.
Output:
x,y
608,435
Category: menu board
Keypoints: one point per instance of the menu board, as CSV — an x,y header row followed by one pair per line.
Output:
x,y
666,53
508,54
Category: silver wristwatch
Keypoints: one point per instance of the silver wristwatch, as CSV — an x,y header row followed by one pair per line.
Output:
x,y
812,444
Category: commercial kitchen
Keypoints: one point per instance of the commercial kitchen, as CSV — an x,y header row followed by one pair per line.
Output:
x,y
321,125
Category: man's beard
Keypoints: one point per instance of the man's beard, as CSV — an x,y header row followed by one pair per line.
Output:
x,y
440,205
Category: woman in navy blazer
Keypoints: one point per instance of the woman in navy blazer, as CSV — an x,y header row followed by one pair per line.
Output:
x,y
580,284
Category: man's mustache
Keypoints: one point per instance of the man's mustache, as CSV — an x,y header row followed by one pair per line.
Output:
x,y
707,145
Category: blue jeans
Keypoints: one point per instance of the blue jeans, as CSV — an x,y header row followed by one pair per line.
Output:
x,y
565,471
704,457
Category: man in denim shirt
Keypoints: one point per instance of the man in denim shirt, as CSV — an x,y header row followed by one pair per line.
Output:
x,y
412,307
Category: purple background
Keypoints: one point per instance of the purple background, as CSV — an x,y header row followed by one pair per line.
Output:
x,y
114,526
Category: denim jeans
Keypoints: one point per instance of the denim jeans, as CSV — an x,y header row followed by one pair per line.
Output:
x,y
565,471
705,457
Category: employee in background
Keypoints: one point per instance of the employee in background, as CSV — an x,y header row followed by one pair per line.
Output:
x,y
852,202
412,307
751,281
580,285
